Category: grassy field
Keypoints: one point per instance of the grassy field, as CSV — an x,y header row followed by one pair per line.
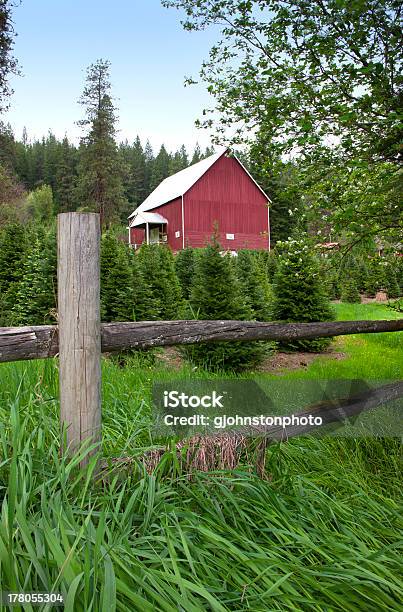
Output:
x,y
322,532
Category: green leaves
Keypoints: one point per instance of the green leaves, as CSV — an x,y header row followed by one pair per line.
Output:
x,y
310,59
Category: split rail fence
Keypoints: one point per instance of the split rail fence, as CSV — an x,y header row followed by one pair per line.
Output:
x,y
80,337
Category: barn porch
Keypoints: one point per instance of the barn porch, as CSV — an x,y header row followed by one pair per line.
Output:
x,y
154,226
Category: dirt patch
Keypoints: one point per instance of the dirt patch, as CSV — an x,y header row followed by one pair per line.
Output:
x,y
380,298
277,363
281,362
171,357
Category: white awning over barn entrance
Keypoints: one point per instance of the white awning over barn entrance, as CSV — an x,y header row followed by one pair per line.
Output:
x,y
150,222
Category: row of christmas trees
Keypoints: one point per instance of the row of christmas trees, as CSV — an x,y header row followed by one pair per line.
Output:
x,y
292,284
350,276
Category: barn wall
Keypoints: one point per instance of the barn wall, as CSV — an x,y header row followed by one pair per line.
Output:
x,y
137,236
173,213
227,195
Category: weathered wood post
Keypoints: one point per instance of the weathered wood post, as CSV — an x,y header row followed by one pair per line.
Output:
x,y
79,327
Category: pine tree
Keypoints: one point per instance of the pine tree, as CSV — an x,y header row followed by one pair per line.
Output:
x,y
376,280
392,285
349,292
197,154
216,294
66,176
185,267
146,308
117,291
100,171
37,164
160,169
158,270
135,162
172,304
254,284
35,293
149,159
149,264
51,160
13,244
179,161
299,294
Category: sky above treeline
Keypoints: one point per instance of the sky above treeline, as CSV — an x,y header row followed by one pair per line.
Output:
x,y
150,55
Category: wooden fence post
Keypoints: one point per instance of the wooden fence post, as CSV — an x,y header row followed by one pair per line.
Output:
x,y
79,327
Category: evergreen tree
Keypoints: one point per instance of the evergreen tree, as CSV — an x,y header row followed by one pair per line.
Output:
x,y
7,147
299,294
254,285
185,267
100,171
149,264
145,305
349,292
183,157
376,280
208,152
117,290
158,270
149,162
66,176
35,293
51,160
135,180
216,294
197,154
392,285
37,165
179,161
160,169
172,304
22,165
13,244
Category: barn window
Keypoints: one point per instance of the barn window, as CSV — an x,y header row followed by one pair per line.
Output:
x,y
230,236
177,234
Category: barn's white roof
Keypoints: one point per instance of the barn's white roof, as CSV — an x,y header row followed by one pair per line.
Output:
x,y
178,184
147,217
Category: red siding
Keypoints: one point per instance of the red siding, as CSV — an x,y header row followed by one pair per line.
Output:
x,y
173,213
228,196
137,236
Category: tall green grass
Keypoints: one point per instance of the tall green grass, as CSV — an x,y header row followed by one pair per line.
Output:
x,y
323,532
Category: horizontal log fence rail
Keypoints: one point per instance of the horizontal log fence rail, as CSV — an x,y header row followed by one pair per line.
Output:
x,y
42,341
79,338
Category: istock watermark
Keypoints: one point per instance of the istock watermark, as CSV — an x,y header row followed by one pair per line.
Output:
x,y
279,408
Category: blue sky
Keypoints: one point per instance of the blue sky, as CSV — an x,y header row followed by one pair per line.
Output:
x,y
150,55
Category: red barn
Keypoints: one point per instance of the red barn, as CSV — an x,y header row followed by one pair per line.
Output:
x,y
183,210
